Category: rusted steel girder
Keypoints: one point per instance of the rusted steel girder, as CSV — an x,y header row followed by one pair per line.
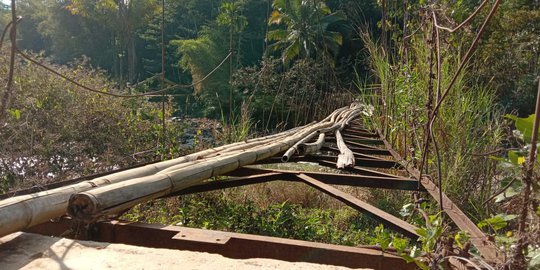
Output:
x,y
332,178
388,220
363,162
356,154
485,246
360,161
368,151
357,139
361,133
351,143
232,245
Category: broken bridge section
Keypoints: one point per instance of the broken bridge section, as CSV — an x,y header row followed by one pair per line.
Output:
x,y
374,164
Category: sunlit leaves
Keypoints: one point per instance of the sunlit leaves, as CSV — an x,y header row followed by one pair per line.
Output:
x,y
383,237
306,30
230,16
15,113
523,125
497,222
461,238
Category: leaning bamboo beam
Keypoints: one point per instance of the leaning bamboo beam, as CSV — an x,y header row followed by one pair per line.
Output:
x,y
113,198
346,156
311,148
22,212
294,149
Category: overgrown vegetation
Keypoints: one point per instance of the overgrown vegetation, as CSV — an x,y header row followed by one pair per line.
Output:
x,y
239,212
55,131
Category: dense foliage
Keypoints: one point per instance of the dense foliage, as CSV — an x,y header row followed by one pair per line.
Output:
x,y
54,131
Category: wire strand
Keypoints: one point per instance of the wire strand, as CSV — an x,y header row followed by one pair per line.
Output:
x,y
164,90
465,58
464,22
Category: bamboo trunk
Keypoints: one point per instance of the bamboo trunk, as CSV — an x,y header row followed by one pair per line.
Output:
x,y
311,148
294,148
346,156
113,198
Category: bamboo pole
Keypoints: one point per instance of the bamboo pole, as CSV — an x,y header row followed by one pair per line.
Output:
x,y
311,148
346,156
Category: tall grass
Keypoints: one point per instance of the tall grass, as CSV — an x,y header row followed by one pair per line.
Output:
x,y
467,124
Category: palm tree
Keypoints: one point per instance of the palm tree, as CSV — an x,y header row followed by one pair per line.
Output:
x,y
307,31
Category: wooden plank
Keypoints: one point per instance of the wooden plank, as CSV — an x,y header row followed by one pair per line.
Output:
x,y
346,157
388,220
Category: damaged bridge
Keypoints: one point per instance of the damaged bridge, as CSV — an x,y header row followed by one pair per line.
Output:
x,y
340,141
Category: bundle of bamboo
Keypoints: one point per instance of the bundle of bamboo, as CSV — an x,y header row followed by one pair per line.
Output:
x,y
116,192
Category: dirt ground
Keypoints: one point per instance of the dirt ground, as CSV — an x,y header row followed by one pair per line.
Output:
x,y
33,251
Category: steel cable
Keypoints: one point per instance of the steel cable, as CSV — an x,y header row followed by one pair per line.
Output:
x,y
464,22
164,90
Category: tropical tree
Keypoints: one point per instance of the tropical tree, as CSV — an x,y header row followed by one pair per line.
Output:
x,y
308,30
123,18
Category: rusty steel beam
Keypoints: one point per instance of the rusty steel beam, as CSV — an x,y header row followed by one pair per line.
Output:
x,y
365,140
377,181
362,162
231,245
362,133
234,182
356,144
359,170
247,170
356,154
368,151
485,246
359,140
388,220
